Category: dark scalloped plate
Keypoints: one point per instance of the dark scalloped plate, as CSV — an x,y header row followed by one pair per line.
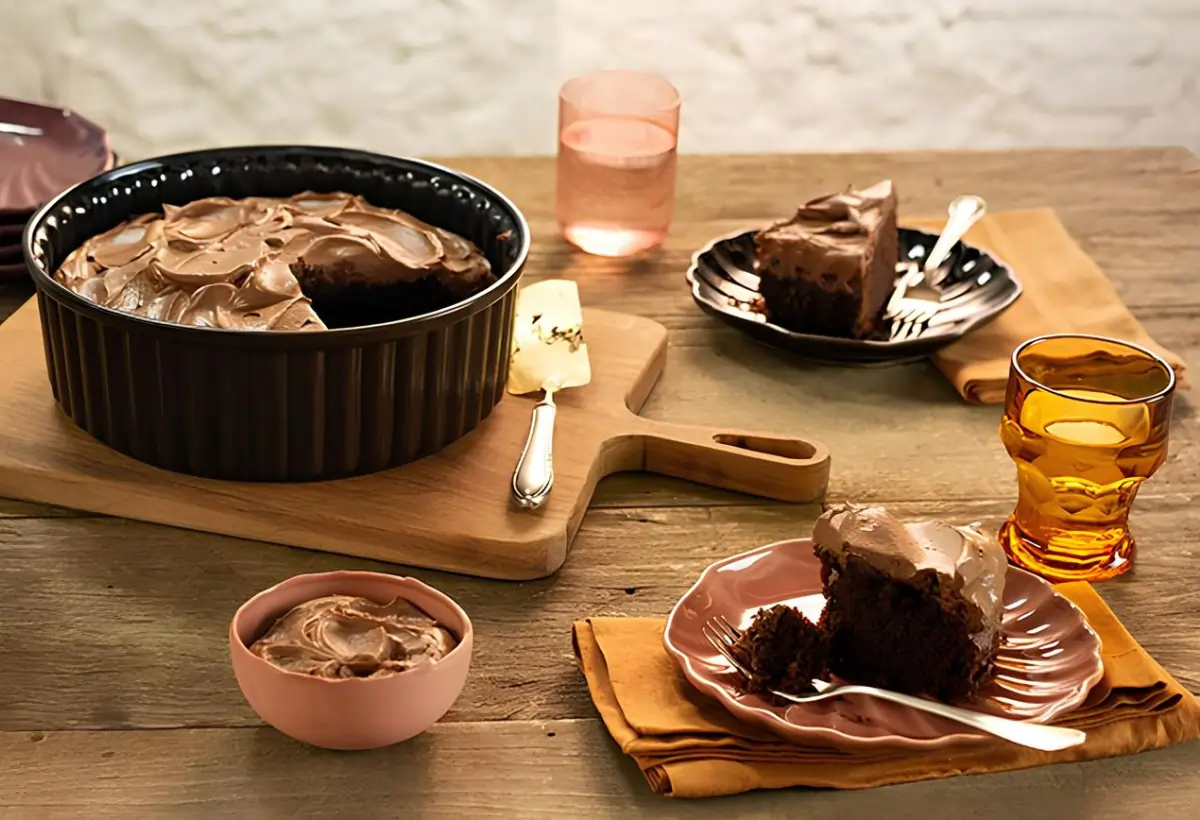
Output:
x,y
725,285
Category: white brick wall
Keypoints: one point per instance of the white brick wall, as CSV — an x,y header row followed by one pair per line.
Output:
x,y
479,76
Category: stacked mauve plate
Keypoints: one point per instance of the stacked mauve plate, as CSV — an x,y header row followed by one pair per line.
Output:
x,y
43,151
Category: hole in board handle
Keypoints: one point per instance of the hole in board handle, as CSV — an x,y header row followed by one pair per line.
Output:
x,y
781,447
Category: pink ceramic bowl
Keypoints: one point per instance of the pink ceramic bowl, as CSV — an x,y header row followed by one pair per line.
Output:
x,y
354,713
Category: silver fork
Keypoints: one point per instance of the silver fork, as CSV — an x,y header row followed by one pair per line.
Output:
x,y
910,316
724,636
912,319
918,295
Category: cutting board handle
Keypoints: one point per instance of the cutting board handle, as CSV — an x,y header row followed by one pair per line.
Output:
x,y
762,464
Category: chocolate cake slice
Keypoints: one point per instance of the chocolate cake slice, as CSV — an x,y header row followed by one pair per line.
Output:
x,y
829,270
912,607
783,650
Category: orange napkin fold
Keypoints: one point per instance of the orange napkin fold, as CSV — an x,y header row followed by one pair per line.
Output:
x,y
688,745
1063,292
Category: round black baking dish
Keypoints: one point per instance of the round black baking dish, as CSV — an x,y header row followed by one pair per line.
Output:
x,y
271,405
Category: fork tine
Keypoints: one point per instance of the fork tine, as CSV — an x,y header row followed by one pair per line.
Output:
x,y
713,639
899,323
916,309
906,329
919,326
899,289
724,651
902,309
898,318
914,320
921,323
720,634
732,632
717,640
954,291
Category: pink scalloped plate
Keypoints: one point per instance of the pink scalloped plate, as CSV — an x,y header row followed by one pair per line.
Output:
x,y
34,169
1049,660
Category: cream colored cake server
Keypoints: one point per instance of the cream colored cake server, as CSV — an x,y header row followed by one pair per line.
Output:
x,y
548,354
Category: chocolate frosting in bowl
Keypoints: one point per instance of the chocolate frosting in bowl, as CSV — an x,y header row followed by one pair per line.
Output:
x,y
341,636
253,264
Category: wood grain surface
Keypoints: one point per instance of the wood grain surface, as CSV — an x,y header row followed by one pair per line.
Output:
x,y
117,700
449,511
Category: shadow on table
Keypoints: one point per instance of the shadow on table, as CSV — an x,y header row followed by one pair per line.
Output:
x,y
904,384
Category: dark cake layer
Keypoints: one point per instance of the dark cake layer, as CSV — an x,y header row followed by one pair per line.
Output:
x,y
359,305
342,301
783,650
800,305
900,636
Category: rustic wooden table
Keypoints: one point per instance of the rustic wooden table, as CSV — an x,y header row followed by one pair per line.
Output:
x,y
116,694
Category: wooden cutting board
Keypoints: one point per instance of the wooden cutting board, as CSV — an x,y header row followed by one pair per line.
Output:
x,y
449,511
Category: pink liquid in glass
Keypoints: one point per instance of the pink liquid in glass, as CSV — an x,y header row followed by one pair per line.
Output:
x,y
616,190
617,134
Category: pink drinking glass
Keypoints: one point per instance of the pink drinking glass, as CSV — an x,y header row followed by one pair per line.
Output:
x,y
617,134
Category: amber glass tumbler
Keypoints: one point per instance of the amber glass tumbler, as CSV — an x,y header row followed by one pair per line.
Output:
x,y
1086,420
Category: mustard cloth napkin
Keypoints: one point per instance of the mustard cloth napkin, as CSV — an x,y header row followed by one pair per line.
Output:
x,y
689,746
1064,292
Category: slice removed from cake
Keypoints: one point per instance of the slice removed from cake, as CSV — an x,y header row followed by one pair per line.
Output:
x,y
913,607
830,269
783,650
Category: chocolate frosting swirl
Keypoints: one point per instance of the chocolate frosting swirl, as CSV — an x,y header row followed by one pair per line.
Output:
x,y
830,235
340,636
851,213
245,264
